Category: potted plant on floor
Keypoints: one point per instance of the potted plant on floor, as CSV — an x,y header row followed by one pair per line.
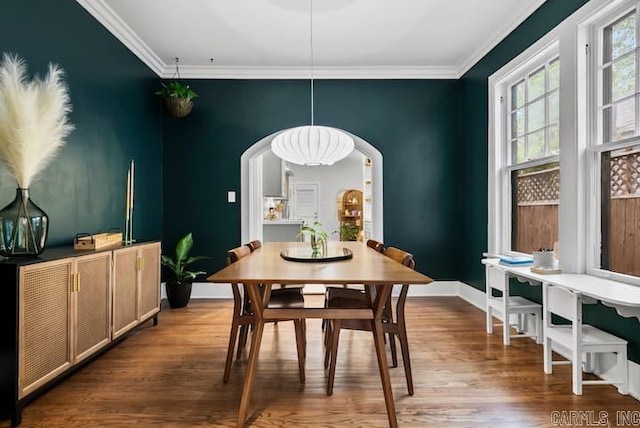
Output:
x,y
179,285
178,98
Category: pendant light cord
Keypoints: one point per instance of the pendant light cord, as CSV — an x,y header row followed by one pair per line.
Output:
x,y
311,50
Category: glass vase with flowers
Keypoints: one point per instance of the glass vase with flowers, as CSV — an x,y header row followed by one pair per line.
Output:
x,y
317,238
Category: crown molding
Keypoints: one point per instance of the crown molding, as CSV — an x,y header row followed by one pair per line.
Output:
x,y
486,48
116,26
217,72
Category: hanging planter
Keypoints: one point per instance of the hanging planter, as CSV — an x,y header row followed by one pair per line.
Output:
x,y
178,98
178,107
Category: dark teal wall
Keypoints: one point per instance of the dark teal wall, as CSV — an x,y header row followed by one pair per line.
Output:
x,y
115,114
473,190
414,123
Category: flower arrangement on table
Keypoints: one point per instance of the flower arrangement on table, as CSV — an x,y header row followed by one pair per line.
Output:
x,y
318,238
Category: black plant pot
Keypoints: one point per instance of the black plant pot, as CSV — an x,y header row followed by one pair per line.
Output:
x,y
178,293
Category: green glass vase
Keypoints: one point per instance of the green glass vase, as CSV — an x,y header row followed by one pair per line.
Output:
x,y
23,227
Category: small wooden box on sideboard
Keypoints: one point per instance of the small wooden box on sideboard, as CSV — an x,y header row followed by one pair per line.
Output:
x,y
99,241
62,308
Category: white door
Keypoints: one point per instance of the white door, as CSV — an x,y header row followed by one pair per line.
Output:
x,y
305,202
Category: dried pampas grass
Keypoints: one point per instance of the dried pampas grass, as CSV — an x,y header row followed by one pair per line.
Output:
x,y
33,118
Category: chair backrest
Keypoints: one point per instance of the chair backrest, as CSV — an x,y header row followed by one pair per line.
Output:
x,y
562,302
376,245
496,280
237,253
254,245
406,259
233,256
400,256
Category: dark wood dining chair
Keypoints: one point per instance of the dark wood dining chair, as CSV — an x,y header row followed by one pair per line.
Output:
x,y
244,330
394,326
254,245
376,245
371,243
243,316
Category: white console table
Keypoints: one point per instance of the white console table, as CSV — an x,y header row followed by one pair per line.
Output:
x,y
625,298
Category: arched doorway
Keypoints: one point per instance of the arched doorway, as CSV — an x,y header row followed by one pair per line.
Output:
x,y
251,188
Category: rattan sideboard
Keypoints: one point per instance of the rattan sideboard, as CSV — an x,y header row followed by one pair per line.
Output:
x,y
65,307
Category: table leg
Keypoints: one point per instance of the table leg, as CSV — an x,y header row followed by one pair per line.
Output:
x,y
256,339
232,345
383,365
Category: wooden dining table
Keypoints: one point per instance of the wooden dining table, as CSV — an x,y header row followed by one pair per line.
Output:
x,y
366,266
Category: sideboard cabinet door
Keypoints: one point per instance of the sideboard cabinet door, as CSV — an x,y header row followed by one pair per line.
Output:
x,y
149,296
125,290
92,327
44,341
136,286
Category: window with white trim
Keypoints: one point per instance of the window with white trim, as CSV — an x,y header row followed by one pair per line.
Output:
x,y
535,169
591,127
530,146
615,160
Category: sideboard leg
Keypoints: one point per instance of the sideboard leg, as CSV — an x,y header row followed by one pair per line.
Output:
x,y
16,417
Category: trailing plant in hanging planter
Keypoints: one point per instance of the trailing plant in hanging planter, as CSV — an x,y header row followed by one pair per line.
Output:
x,y
178,98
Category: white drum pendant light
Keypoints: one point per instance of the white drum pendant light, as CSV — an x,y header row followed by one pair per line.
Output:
x,y
312,145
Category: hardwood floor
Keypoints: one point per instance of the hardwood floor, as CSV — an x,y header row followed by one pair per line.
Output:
x,y
171,376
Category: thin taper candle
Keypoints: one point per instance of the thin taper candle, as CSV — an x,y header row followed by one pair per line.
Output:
x,y
128,201
133,175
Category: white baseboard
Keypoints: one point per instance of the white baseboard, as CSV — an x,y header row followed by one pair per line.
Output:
x,y
204,290
472,295
207,290
605,364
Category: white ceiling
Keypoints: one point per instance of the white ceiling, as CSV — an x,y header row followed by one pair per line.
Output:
x,y
271,38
